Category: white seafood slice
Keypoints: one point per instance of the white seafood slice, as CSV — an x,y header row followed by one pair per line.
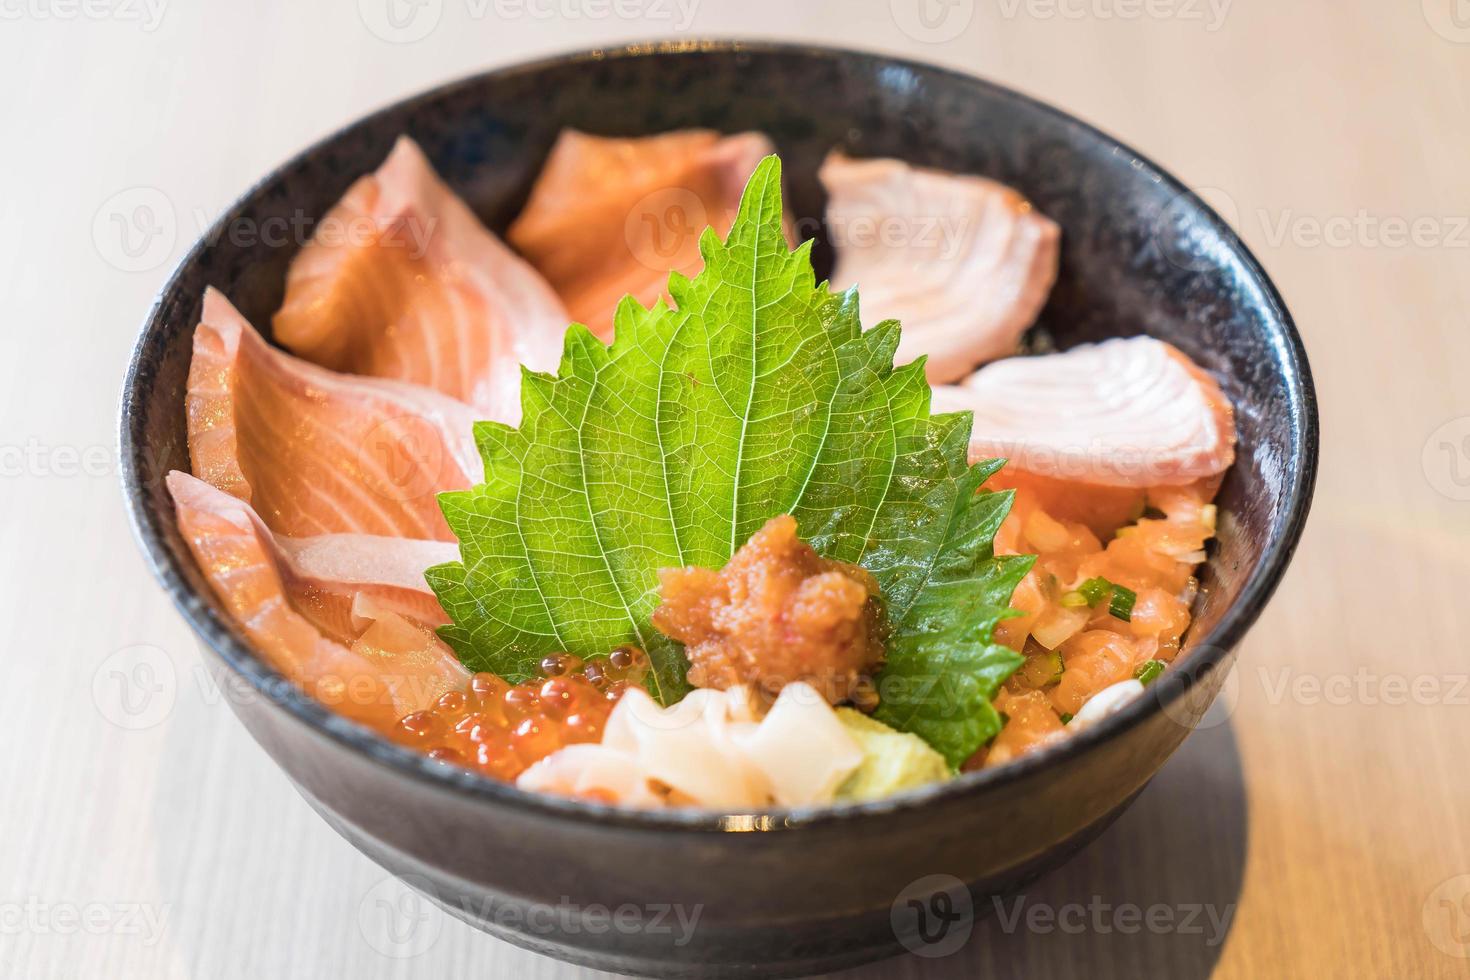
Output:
x,y
963,262
1128,412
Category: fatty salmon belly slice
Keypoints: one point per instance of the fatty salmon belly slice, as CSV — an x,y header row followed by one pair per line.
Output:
x,y
400,280
341,581
316,452
369,681
613,217
965,264
1128,412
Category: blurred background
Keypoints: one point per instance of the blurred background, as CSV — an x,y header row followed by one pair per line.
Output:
x,y
1315,826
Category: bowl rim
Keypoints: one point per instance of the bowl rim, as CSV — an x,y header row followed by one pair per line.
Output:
x,y
1210,652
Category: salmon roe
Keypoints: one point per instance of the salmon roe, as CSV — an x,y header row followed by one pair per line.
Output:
x,y
1149,541
500,729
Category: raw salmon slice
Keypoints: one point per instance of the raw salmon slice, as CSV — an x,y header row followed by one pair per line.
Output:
x,y
340,580
316,452
964,263
394,667
1128,412
611,217
400,280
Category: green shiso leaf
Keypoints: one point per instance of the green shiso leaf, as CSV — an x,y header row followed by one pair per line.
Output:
x,y
759,394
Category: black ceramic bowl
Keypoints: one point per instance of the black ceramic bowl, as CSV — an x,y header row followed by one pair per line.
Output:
x,y
784,892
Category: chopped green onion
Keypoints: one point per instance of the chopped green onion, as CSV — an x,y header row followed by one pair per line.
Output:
x,y
1094,590
1120,606
1074,600
1120,599
1146,673
1066,717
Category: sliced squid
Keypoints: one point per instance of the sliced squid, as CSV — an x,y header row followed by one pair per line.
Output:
x,y
393,667
401,280
611,217
316,452
964,263
712,749
1128,412
593,772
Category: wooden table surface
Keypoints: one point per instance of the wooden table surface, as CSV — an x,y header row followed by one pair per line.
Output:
x,y
1320,828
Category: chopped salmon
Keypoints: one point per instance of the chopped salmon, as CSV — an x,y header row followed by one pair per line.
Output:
x,y
401,280
964,263
393,668
316,452
1131,412
612,217
1078,650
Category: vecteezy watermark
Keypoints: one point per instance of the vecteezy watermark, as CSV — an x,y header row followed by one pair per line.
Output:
x,y
676,921
1364,229
1446,458
932,21
1446,916
334,691
137,229
36,916
402,918
1450,19
1364,687
1190,242
662,230
135,688
147,14
933,916
1101,917
678,15
1209,13
930,237
407,21
34,458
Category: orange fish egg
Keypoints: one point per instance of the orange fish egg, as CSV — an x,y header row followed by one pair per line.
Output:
x,y
500,729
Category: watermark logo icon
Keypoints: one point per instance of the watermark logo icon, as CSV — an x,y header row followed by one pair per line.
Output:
x,y
1450,19
1199,707
135,229
933,916
665,226
1447,917
932,21
135,688
400,21
397,919
1186,241
1446,458
402,458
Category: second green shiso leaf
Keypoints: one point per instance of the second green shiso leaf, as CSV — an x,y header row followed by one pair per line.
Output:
x,y
759,394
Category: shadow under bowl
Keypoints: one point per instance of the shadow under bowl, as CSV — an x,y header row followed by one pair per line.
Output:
x,y
783,892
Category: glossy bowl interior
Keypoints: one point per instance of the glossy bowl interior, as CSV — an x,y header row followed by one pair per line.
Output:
x,y
788,891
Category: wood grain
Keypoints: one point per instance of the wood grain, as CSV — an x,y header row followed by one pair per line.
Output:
x,y
1318,817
